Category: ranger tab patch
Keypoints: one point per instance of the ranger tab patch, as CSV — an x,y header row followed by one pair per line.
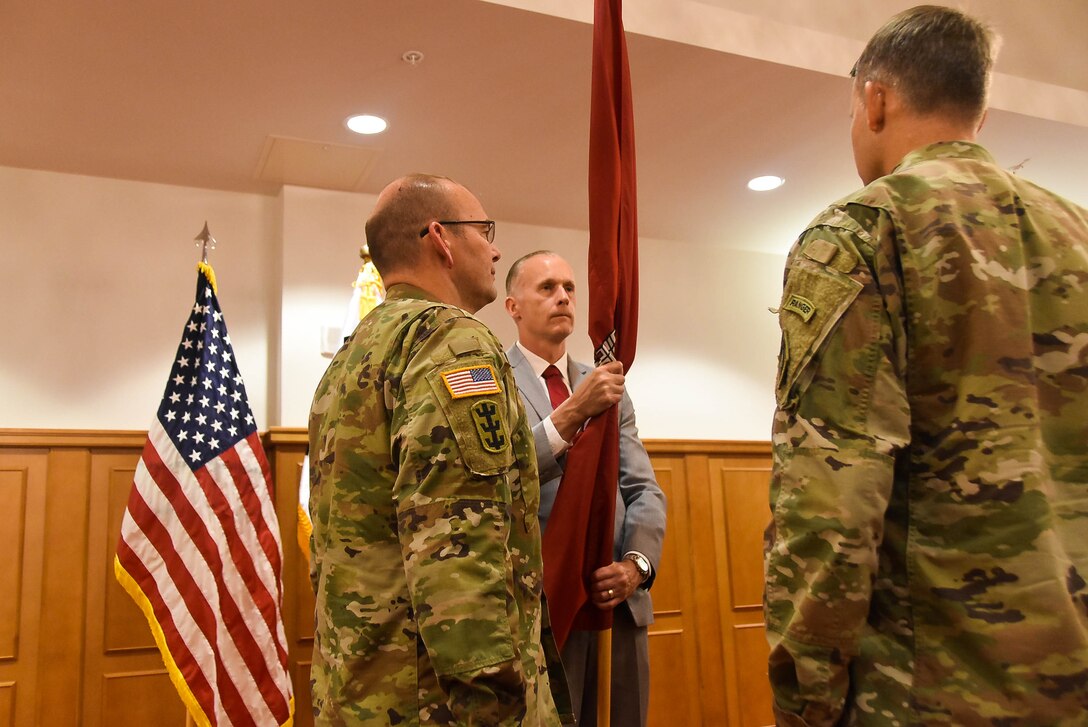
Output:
x,y
471,381
801,306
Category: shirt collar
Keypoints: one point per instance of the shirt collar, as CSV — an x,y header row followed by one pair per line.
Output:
x,y
943,150
538,364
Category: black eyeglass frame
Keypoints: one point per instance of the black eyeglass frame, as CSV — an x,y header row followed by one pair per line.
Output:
x,y
489,234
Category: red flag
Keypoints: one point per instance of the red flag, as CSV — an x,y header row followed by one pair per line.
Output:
x,y
578,540
200,549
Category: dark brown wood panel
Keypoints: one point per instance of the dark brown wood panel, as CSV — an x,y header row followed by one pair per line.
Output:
x,y
125,628
12,571
140,698
744,490
7,704
121,657
673,643
740,483
753,695
23,479
64,585
97,664
286,450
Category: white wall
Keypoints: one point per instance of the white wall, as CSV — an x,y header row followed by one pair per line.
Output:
x,y
707,345
101,275
99,278
322,232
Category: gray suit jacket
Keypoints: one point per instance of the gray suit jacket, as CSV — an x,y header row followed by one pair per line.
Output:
x,y
640,503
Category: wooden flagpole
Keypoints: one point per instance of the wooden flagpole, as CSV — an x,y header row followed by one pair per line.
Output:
x,y
604,677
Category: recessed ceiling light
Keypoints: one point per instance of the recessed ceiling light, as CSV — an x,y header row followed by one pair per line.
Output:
x,y
765,184
366,124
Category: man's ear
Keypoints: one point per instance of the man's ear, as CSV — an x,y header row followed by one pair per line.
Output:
x,y
876,99
511,307
438,244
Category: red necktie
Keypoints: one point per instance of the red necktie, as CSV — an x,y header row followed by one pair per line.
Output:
x,y
557,390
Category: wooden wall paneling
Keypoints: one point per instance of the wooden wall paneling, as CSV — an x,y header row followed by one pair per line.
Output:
x,y
141,697
7,703
740,483
286,450
126,680
22,539
64,584
674,652
97,664
706,574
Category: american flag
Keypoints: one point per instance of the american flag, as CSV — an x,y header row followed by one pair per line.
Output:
x,y
200,548
471,381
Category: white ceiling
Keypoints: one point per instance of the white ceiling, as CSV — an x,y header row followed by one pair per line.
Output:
x,y
247,94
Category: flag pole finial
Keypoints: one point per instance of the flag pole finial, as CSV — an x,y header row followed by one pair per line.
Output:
x,y
206,240
364,252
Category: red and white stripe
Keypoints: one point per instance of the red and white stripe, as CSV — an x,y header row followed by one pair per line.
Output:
x,y
204,550
462,383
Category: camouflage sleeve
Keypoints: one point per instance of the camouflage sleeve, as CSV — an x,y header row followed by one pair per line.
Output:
x,y
451,437
841,416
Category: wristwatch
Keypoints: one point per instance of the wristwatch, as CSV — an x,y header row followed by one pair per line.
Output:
x,y
642,565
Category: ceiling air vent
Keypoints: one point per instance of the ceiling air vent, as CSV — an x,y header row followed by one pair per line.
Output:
x,y
315,164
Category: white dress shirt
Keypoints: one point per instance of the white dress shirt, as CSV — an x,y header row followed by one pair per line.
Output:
x,y
558,444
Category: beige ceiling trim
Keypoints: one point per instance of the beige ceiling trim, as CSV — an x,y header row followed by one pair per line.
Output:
x,y
728,31
1038,99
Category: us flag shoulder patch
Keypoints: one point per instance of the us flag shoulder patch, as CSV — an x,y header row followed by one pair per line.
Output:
x,y
471,381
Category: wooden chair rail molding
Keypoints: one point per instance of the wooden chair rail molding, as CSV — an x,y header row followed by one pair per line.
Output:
x,y
119,438
74,649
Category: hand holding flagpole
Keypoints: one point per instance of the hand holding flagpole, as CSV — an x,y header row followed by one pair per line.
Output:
x,y
579,536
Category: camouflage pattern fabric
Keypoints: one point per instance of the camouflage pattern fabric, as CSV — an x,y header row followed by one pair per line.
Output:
x,y
426,550
927,559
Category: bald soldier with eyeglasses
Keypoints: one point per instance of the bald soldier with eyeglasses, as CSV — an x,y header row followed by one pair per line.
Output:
x,y
424,492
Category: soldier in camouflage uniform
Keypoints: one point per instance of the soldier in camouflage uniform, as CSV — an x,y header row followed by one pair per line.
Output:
x,y
928,555
424,492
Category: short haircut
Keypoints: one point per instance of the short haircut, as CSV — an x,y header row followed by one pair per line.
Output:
x,y
515,269
938,58
392,232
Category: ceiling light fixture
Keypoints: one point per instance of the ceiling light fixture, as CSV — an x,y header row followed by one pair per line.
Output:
x,y
765,184
366,124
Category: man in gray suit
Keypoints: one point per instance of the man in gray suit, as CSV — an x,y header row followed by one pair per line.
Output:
x,y
560,395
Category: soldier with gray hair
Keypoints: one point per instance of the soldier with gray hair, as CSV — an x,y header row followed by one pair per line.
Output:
x,y
927,558
424,492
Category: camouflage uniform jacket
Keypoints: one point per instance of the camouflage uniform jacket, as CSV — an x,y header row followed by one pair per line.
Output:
x,y
426,548
927,557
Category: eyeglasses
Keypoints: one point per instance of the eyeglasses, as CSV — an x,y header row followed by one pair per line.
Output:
x,y
489,233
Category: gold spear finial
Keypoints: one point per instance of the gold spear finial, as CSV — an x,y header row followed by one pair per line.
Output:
x,y
206,240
